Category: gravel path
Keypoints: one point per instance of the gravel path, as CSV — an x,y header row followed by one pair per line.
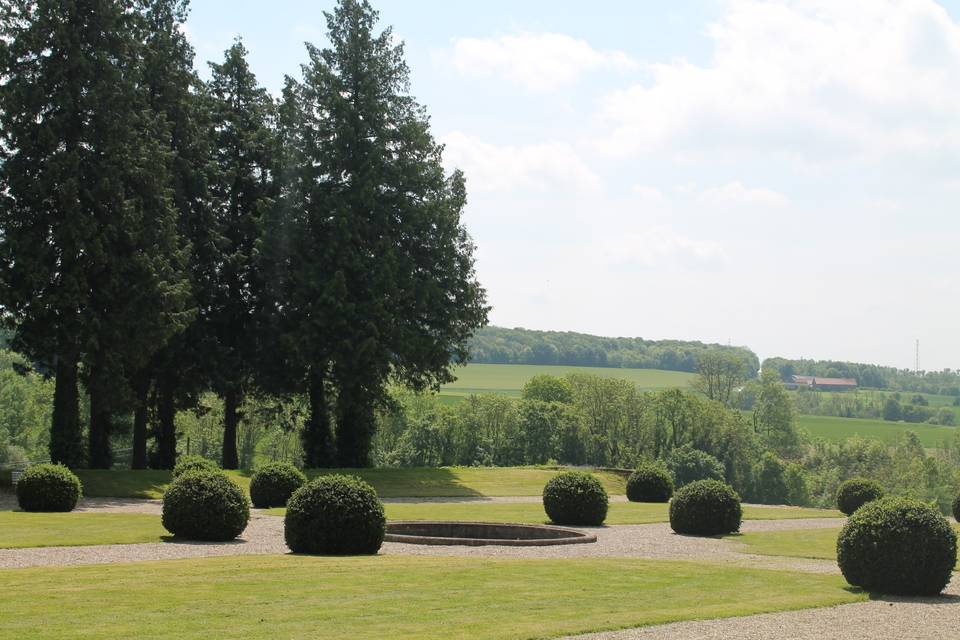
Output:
x,y
887,617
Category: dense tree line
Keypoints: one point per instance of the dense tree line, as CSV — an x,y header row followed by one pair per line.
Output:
x,y
599,421
871,376
162,236
497,345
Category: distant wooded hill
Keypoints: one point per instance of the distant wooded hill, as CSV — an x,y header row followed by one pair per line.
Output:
x,y
946,382
497,345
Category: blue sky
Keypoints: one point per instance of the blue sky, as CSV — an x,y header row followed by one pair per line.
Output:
x,y
778,174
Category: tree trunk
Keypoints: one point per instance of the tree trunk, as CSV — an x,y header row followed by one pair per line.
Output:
x,y
317,437
355,427
231,400
166,427
142,390
66,436
101,457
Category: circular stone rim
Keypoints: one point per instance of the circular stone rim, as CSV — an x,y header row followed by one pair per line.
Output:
x,y
574,537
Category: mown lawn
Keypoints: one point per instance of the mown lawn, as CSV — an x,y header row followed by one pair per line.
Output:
x,y
527,512
820,544
837,429
389,483
19,529
508,379
390,597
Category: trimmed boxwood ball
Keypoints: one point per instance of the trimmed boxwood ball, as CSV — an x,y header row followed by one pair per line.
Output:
x,y
575,498
705,508
897,546
335,515
205,505
856,492
193,463
48,487
274,483
649,483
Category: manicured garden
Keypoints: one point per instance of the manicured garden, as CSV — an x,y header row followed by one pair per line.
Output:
x,y
454,482
393,597
19,529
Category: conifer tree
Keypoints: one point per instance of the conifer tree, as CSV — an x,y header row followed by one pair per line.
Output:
x,y
90,260
389,288
242,115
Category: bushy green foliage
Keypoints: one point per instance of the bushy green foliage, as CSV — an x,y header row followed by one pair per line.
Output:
x,y
649,483
856,492
689,465
48,487
498,345
335,515
705,508
193,463
274,483
956,508
897,546
205,505
575,498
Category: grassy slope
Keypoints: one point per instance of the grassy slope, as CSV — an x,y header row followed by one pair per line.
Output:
x,y
390,596
18,529
809,543
389,483
836,429
619,513
508,379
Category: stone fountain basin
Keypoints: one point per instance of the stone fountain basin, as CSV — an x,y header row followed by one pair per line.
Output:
x,y
477,534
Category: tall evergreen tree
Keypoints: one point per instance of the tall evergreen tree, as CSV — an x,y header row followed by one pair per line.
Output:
x,y
178,372
242,118
90,258
388,289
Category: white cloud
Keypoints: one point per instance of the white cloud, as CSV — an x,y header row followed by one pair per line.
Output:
x,y
648,194
734,193
657,246
538,167
818,78
535,61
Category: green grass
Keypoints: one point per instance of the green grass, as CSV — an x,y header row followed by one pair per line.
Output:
x,y
820,544
391,597
837,429
532,512
20,530
389,483
508,379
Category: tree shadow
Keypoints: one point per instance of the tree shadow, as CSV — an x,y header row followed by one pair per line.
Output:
x,y
418,482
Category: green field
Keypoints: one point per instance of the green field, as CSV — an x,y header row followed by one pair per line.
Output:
x,y
820,544
391,597
508,379
837,429
454,482
532,512
20,530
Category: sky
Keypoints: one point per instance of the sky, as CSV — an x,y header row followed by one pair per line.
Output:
x,y
777,174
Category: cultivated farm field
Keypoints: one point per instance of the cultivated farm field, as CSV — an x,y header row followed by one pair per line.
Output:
x,y
508,379
837,429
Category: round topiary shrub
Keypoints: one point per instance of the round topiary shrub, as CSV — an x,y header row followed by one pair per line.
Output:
x,y
705,508
856,492
897,546
649,483
193,463
335,515
576,498
274,483
48,487
205,505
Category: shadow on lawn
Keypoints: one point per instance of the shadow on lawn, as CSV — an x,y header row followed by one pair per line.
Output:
x,y
434,482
